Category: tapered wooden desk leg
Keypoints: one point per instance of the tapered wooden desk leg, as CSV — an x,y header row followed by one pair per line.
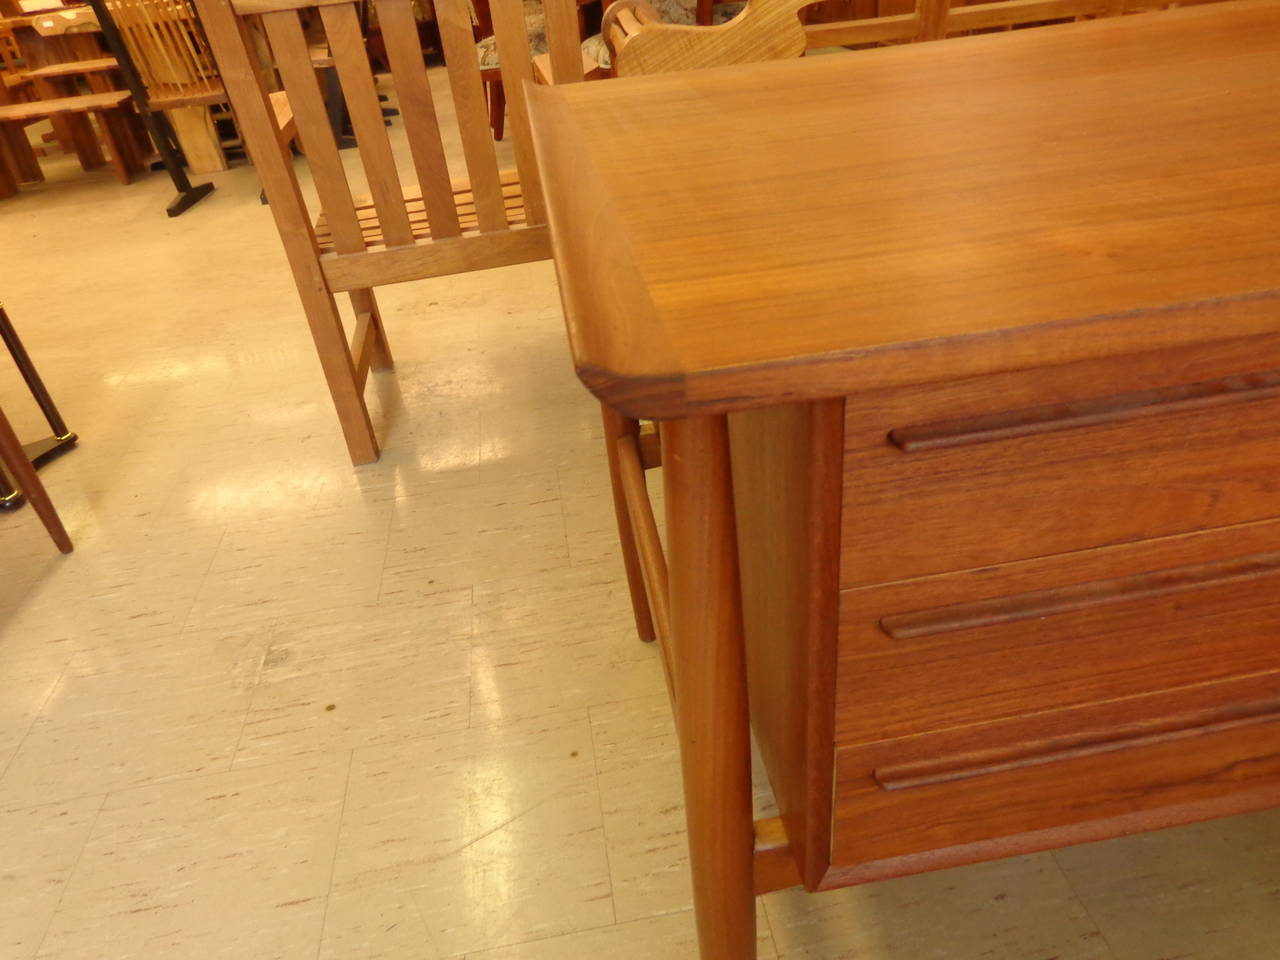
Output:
x,y
20,468
709,673
616,426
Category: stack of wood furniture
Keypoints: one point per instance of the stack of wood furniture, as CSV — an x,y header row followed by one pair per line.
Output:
x,y
400,232
60,52
969,447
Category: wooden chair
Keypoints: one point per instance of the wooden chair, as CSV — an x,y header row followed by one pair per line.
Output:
x,y
641,43
168,47
434,228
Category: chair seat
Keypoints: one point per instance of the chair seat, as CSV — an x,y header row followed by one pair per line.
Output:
x,y
512,194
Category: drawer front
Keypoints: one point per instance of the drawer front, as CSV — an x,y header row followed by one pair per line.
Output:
x,y
980,646
925,494
1059,778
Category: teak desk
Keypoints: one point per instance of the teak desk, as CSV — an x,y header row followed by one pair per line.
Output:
x,y
966,358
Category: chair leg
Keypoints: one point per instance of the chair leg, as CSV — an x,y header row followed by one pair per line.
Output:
x,y
497,107
17,159
8,181
24,475
335,358
617,426
193,126
363,301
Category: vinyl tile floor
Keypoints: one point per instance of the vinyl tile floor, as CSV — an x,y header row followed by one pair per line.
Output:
x,y
275,708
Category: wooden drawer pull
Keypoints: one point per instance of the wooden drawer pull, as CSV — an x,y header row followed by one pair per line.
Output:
x,y
925,773
1085,413
1078,596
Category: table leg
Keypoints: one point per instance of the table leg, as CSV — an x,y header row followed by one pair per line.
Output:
x,y
116,134
24,474
8,183
708,664
617,426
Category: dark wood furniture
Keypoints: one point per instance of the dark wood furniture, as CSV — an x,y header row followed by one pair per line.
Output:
x,y
969,437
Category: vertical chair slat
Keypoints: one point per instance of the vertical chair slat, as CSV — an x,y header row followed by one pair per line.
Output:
x,y
417,110
517,70
454,21
346,43
293,60
933,18
563,40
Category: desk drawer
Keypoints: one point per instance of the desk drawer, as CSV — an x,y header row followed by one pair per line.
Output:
x,y
924,496
1065,777
980,646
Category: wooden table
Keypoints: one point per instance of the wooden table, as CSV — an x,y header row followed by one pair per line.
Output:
x,y
966,358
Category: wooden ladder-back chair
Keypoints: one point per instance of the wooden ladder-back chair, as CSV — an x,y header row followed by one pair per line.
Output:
x,y
169,49
641,43
434,228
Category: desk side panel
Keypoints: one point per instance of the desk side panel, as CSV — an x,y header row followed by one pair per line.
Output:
x,y
786,486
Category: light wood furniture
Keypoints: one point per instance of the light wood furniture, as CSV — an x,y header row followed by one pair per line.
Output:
x,y
168,48
110,110
641,42
969,444
434,228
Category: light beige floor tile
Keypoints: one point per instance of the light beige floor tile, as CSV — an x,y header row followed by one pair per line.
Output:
x,y
362,675
23,698
496,830
643,803
1208,891
234,865
456,536
118,584
378,922
1011,909
271,568
163,708
669,937
39,846
556,641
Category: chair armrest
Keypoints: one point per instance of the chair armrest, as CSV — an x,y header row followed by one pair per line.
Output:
x,y
623,20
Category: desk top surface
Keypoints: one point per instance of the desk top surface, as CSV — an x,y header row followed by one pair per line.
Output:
x,y
781,231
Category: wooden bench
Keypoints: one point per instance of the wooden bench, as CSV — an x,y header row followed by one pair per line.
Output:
x,y
110,110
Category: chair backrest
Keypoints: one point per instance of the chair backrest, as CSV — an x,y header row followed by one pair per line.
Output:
x,y
168,47
389,232
771,29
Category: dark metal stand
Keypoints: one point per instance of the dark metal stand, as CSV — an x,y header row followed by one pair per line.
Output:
x,y
156,124
39,452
